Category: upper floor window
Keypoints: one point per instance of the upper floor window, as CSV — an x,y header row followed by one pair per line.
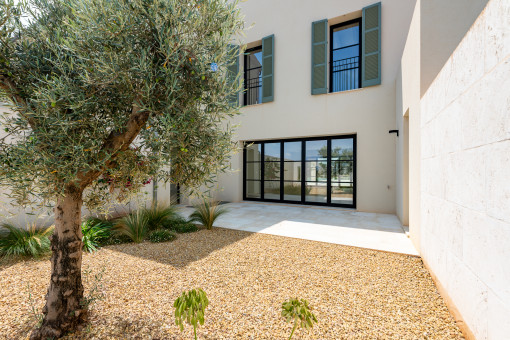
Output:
x,y
253,76
345,56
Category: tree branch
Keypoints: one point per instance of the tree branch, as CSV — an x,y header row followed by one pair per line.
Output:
x,y
7,84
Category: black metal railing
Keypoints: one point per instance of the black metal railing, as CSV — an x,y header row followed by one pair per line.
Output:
x,y
252,86
345,74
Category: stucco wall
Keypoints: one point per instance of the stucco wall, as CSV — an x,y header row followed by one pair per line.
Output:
x,y
465,175
368,112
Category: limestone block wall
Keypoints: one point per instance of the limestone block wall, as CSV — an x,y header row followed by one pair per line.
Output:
x,y
465,175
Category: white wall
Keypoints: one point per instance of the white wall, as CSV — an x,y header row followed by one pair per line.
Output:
x,y
368,112
465,175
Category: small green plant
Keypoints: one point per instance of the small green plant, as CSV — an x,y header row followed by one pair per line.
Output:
x,y
134,226
180,225
95,232
158,214
300,312
33,310
95,292
190,308
206,213
162,235
30,241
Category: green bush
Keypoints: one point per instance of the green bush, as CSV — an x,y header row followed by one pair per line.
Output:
x,y
158,214
134,226
206,213
95,232
180,225
190,308
30,241
162,235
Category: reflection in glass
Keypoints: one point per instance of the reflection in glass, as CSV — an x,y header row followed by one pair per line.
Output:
x,y
342,171
316,149
316,171
272,190
253,170
292,191
253,189
253,152
292,151
342,193
292,171
271,170
316,192
272,151
342,149
253,76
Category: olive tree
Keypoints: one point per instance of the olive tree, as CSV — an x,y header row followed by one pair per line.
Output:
x,y
103,95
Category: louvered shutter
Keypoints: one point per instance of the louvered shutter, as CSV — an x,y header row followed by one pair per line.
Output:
x,y
319,57
232,72
371,46
268,69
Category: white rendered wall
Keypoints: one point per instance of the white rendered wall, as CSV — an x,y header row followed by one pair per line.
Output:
x,y
465,175
368,112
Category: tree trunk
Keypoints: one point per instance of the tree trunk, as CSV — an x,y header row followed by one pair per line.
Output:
x,y
63,311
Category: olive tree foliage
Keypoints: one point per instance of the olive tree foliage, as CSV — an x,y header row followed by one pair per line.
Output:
x,y
105,94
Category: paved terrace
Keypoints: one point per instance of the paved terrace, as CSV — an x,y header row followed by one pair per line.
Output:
x,y
325,224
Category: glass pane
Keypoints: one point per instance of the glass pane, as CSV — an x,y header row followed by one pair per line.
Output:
x,y
316,150
345,60
253,152
271,170
316,192
342,171
292,191
292,171
253,77
272,151
272,190
341,193
342,149
253,189
292,151
253,170
316,171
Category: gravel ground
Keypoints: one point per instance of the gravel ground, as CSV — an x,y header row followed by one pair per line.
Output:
x,y
356,293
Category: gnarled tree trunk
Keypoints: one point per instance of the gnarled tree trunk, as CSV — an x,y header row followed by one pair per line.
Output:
x,y
63,311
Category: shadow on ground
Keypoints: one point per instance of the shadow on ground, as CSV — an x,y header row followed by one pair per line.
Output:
x,y
186,249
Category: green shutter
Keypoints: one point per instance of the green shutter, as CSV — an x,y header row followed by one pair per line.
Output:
x,y
268,69
320,57
371,46
232,74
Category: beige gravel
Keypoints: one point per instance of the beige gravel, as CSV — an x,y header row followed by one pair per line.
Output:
x,y
356,293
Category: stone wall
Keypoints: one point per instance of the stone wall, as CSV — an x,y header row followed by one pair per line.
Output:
x,y
465,175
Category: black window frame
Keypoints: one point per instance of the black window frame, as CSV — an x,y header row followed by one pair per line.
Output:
x,y
303,177
330,73
245,74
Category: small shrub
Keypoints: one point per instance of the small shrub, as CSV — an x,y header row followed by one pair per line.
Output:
x,y
190,307
161,235
180,225
95,232
30,241
95,291
206,213
134,226
299,312
158,214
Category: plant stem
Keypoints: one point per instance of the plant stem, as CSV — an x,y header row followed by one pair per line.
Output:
x,y
195,331
293,329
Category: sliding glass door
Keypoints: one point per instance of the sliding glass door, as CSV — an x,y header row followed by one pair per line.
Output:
x,y
318,171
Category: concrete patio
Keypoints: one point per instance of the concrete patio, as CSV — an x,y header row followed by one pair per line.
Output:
x,y
325,224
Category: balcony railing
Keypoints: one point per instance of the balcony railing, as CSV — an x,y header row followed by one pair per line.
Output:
x,y
345,74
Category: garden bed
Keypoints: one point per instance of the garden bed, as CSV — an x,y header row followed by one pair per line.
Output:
x,y
355,293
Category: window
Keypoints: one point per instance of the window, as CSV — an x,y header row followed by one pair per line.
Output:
x,y
345,56
253,76
318,171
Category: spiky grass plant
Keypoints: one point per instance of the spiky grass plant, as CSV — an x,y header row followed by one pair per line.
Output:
x,y
190,307
206,213
135,226
300,312
158,214
95,233
29,241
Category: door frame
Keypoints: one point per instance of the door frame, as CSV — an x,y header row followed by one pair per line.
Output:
x,y
303,179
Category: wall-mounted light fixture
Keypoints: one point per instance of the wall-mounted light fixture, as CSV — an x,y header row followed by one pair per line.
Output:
x,y
393,131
